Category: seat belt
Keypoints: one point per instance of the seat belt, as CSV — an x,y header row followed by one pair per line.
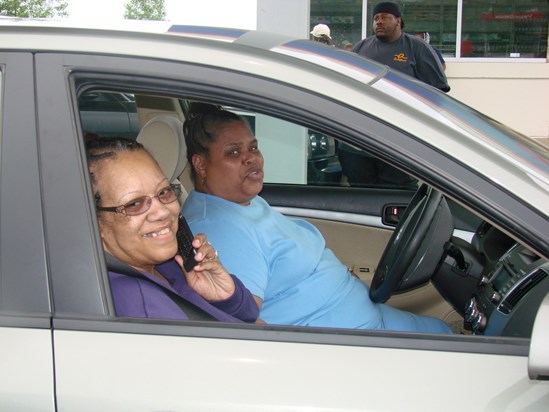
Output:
x,y
192,311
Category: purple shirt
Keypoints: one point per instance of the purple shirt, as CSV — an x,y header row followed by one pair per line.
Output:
x,y
140,298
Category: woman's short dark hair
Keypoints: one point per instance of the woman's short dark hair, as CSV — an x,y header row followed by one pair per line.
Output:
x,y
99,148
201,126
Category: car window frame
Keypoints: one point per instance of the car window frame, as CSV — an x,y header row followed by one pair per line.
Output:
x,y
69,74
24,283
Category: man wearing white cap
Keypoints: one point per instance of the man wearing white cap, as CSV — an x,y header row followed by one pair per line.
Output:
x,y
399,50
321,33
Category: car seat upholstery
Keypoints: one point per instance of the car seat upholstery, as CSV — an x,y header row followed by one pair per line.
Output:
x,y
163,137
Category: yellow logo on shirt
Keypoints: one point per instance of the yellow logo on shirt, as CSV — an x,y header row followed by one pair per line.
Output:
x,y
401,57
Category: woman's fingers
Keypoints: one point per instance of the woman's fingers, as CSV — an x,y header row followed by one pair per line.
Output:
x,y
204,249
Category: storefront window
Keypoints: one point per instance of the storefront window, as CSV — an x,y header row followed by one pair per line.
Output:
x,y
436,17
489,28
504,28
344,17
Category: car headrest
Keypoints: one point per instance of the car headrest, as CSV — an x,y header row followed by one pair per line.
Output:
x,y
163,137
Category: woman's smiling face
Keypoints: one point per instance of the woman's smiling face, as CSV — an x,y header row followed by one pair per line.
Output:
x,y
144,240
233,167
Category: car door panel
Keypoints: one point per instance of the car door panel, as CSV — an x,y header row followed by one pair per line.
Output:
x,y
358,214
179,367
336,210
341,199
27,371
359,249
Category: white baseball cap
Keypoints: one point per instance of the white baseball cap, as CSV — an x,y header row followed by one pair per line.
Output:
x,y
321,29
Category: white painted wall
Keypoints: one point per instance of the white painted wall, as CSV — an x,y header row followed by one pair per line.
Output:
x,y
290,17
282,142
514,93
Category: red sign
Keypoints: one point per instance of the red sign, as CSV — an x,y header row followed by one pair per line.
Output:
x,y
534,15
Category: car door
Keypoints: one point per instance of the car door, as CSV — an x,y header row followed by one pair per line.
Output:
x,y
26,350
108,363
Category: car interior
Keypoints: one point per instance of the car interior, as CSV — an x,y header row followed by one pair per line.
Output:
x,y
464,271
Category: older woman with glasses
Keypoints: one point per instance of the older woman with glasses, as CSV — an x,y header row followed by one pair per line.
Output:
x,y
138,218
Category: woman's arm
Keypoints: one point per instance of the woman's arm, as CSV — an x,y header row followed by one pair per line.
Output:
x,y
212,281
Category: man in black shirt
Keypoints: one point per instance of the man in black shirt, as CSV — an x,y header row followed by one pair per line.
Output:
x,y
399,50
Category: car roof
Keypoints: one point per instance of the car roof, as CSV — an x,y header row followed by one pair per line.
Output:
x,y
520,164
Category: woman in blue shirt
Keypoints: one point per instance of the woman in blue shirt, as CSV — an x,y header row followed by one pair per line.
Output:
x,y
284,262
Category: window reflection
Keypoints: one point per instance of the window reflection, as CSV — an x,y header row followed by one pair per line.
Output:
x,y
490,28
436,17
344,17
504,28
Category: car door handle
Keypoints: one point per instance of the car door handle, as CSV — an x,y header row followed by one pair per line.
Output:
x,y
392,214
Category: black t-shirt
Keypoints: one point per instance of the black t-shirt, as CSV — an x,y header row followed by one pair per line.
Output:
x,y
409,55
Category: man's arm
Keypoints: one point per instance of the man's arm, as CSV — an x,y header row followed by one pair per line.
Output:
x,y
429,68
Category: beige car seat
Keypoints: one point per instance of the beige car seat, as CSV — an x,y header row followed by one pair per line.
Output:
x,y
163,137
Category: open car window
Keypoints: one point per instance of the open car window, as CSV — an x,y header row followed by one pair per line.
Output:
x,y
354,214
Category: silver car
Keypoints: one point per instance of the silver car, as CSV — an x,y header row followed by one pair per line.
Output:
x,y
317,112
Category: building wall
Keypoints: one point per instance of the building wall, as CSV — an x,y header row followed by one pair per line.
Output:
x,y
289,17
513,93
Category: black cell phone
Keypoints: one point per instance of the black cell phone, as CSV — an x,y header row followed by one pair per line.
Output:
x,y
184,244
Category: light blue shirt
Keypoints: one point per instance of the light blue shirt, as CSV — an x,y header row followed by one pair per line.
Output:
x,y
285,262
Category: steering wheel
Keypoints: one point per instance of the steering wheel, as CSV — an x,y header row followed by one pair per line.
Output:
x,y
415,247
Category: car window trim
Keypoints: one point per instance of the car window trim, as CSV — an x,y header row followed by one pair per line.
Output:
x,y
310,335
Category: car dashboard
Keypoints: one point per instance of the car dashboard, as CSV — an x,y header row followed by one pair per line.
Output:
x,y
500,286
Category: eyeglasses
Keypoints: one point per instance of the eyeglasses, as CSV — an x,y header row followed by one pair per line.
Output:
x,y
141,204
